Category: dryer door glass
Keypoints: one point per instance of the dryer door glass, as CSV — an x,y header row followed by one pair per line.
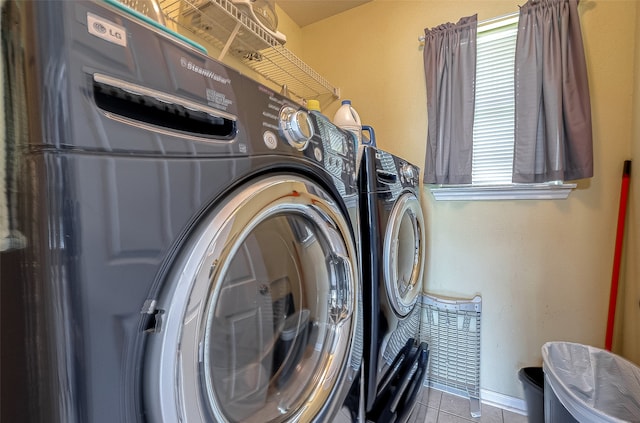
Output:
x,y
404,252
267,327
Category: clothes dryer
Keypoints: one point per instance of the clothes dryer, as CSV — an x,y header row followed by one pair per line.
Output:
x,y
185,237
393,245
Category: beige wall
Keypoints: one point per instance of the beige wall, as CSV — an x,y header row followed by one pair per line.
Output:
x,y
543,268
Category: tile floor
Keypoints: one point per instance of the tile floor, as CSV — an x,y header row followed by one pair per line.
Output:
x,y
435,406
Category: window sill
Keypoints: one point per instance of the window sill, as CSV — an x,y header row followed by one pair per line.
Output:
x,y
501,192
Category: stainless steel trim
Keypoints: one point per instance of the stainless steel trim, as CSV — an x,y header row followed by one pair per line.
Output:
x,y
173,371
296,134
409,204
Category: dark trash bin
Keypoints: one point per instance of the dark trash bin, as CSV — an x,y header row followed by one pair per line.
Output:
x,y
532,379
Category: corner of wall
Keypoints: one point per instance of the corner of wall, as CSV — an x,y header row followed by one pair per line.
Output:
x,y
630,342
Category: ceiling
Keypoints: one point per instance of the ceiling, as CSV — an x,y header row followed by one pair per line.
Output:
x,y
305,12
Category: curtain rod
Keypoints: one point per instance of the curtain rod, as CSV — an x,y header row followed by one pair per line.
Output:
x,y
487,21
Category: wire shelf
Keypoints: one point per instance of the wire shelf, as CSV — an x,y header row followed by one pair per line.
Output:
x,y
223,25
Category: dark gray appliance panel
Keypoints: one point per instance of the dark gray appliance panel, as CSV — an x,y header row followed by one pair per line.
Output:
x,y
68,59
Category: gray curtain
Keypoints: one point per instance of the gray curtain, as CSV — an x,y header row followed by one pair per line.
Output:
x,y
450,70
553,139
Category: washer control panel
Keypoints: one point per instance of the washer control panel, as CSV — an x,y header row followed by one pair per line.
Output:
x,y
339,156
285,127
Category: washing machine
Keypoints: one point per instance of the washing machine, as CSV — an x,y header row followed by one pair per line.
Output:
x,y
183,238
393,245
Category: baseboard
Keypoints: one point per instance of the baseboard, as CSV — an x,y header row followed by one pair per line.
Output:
x,y
505,402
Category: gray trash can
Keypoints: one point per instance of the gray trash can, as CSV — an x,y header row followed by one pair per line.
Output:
x,y
532,379
587,384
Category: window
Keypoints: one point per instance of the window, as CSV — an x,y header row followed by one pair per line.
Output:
x,y
494,122
494,116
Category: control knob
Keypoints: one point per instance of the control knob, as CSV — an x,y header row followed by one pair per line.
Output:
x,y
296,127
409,173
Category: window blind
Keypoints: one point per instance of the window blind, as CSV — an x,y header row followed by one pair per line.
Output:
x,y
493,127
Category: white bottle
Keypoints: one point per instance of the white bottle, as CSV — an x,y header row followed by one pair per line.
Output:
x,y
348,119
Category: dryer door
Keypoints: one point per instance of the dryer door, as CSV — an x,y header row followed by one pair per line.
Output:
x,y
404,253
258,317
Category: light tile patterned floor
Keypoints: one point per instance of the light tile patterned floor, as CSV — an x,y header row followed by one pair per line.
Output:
x,y
441,407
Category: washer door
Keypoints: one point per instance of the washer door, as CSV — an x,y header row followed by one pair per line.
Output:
x,y
257,320
404,252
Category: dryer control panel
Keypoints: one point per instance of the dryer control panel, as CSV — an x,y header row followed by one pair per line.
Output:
x,y
395,173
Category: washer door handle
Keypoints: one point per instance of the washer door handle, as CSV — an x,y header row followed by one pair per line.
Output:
x,y
340,295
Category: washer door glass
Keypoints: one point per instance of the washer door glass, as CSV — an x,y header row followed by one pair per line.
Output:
x,y
404,252
260,318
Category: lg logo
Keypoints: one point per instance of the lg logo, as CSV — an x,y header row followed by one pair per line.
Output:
x,y
99,27
103,30
106,30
